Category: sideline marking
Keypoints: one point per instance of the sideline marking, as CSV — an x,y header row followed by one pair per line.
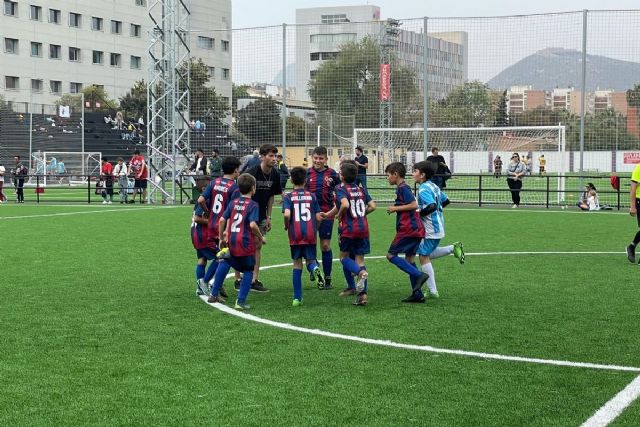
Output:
x,y
86,212
614,407
426,348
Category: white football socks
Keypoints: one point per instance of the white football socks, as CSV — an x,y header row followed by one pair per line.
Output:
x,y
440,252
431,282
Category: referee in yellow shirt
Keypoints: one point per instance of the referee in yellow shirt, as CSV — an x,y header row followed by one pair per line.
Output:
x,y
633,211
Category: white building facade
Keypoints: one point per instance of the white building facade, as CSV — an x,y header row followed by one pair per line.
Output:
x,y
51,48
321,31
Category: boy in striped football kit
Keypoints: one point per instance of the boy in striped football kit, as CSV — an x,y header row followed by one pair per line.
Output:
x,y
301,217
409,228
322,182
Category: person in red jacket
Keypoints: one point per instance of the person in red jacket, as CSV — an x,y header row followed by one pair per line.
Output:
x,y
138,166
106,175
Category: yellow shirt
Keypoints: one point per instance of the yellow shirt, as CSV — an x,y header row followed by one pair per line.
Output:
x,y
542,161
635,176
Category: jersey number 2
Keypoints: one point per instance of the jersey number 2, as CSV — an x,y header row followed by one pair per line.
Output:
x,y
235,225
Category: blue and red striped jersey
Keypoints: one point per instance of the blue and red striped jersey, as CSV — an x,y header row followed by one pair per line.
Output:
x,y
240,213
217,195
408,224
353,223
199,233
303,225
322,184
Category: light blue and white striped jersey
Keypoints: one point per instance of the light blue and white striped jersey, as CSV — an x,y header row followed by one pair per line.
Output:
x,y
429,193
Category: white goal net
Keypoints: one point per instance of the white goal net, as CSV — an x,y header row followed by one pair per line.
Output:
x,y
470,152
70,168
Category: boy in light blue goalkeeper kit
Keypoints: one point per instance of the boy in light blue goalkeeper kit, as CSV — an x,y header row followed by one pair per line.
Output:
x,y
431,200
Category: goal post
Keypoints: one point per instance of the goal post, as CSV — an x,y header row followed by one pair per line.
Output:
x,y
472,151
68,167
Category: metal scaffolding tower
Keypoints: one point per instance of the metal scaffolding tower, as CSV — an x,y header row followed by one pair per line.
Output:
x,y
168,95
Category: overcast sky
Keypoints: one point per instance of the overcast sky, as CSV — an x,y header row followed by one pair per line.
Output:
x,y
256,13
493,44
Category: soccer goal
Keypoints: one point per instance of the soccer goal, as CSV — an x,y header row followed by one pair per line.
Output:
x,y
66,167
472,151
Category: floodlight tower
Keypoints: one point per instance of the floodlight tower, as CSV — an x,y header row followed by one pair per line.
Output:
x,y
388,38
167,94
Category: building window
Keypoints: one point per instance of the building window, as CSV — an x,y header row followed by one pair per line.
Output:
x,y
36,49
10,8
36,13
75,20
136,30
74,54
116,60
224,45
226,74
141,3
75,87
11,82
206,42
334,19
11,45
135,62
116,27
97,57
96,23
54,16
315,56
54,51
212,72
55,86
36,85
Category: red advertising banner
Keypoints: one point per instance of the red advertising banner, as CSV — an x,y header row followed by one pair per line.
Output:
x,y
385,82
631,158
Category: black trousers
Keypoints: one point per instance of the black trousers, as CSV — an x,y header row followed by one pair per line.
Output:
x,y
19,184
515,186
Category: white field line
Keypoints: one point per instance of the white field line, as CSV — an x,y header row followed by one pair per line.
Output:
x,y
426,348
554,210
614,407
105,210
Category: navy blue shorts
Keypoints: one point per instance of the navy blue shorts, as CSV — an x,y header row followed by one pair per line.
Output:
x,y
303,251
241,263
207,253
326,229
405,245
140,183
355,246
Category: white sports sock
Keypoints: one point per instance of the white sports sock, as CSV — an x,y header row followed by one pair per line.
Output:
x,y
440,252
431,283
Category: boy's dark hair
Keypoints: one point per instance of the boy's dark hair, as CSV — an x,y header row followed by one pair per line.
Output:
x,y
105,159
434,149
267,149
298,175
230,164
320,151
397,168
246,183
136,152
427,168
349,172
359,148
120,159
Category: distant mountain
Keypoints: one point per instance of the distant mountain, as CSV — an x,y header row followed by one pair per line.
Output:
x,y
557,67
291,76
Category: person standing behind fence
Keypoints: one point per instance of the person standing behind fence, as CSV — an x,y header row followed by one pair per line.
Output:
x,y
139,170
497,167
284,171
515,173
633,211
2,196
362,162
215,165
122,173
19,175
106,174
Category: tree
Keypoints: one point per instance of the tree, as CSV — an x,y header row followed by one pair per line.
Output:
x,y
295,128
468,105
350,84
205,103
134,103
260,121
3,103
633,96
502,114
92,94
